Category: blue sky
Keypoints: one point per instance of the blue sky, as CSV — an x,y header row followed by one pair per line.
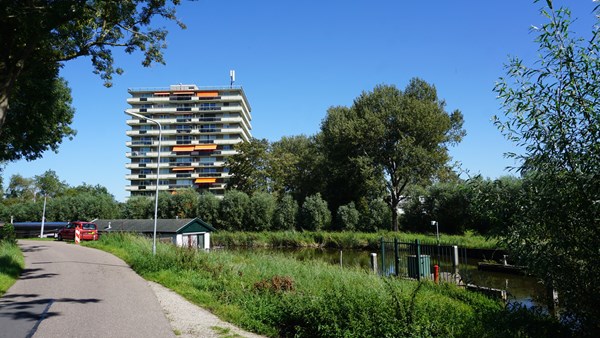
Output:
x,y
296,59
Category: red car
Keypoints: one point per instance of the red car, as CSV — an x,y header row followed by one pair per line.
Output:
x,y
88,231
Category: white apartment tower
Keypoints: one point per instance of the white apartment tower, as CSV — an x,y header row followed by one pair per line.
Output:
x,y
199,128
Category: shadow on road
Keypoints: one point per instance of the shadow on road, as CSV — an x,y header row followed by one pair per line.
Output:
x,y
33,248
17,307
31,274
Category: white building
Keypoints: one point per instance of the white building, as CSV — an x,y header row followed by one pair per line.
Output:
x,y
199,128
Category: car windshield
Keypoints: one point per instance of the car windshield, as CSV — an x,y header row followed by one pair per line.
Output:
x,y
89,226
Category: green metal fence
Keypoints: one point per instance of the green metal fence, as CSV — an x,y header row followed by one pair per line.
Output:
x,y
418,260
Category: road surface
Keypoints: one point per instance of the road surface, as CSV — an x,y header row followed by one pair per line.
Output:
x,y
70,291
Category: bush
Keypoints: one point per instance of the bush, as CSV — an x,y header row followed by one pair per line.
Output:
x,y
286,213
232,210
347,217
260,211
207,208
7,234
376,217
314,214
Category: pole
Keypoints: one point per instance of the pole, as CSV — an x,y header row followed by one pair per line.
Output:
x,y
157,171
43,217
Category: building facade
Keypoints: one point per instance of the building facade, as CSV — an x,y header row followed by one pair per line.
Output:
x,y
200,126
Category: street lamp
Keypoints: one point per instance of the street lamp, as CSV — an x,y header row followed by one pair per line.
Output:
x,y
437,231
157,171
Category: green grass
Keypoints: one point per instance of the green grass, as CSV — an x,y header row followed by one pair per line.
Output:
x,y
280,297
11,265
341,240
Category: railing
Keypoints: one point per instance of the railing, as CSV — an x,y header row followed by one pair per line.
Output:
x,y
420,261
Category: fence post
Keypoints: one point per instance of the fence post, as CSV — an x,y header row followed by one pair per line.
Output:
x,y
374,262
396,258
382,257
455,261
418,244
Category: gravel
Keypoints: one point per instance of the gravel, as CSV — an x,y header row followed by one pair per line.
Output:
x,y
189,320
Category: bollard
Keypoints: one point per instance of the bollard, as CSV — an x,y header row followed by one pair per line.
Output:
x,y
77,235
341,259
374,262
436,274
455,260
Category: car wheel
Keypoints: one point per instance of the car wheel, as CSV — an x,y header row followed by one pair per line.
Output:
x,y
59,237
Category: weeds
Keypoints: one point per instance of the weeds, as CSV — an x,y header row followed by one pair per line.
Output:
x,y
277,296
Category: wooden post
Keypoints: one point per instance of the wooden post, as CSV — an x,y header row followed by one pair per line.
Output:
x,y
374,262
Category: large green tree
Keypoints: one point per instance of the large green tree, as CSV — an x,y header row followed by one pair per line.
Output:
x,y
249,166
552,109
401,136
37,35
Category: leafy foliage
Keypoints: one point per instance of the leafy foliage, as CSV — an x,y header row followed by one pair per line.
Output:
x,y
233,209
249,166
286,213
314,214
260,212
552,110
399,136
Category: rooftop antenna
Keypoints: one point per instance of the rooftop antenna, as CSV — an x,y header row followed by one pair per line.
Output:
x,y
231,77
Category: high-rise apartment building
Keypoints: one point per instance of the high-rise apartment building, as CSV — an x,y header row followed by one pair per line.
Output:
x,y
199,128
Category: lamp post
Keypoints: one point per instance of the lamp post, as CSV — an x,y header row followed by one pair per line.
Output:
x,y
157,171
43,217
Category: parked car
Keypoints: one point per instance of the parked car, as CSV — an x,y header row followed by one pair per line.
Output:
x,y
88,231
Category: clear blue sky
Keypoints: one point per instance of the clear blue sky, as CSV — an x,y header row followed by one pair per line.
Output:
x,y
295,59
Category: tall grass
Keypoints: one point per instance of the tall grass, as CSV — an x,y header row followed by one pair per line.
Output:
x,y
282,297
11,265
341,240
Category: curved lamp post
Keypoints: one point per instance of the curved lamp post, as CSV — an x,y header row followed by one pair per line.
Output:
x,y
157,171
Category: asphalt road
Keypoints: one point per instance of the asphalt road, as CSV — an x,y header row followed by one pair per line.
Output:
x,y
72,291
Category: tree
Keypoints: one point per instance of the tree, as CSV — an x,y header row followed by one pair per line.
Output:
x,y
400,136
315,214
184,203
138,207
48,184
208,208
39,115
20,188
286,213
347,217
552,110
233,209
349,177
296,166
260,211
38,35
249,166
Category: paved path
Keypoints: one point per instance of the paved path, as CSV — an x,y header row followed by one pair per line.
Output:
x,y
72,291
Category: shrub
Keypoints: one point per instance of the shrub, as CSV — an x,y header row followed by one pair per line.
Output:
x,y
232,210
260,211
347,217
314,214
286,213
7,234
207,208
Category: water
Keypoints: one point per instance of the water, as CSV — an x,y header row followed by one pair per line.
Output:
x,y
521,289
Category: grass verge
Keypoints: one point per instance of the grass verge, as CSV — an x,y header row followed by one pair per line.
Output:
x,y
341,240
281,297
12,263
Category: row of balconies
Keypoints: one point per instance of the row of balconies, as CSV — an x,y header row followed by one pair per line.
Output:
x,y
178,98
167,132
132,177
166,143
137,154
152,165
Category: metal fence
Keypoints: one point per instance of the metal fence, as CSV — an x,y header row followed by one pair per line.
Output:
x,y
420,260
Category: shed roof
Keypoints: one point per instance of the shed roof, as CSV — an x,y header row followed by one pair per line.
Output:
x,y
177,226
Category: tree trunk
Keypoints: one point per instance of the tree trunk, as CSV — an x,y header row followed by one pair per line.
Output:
x,y
3,108
394,217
